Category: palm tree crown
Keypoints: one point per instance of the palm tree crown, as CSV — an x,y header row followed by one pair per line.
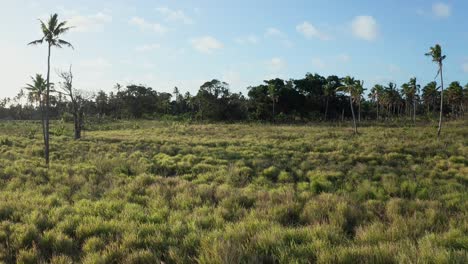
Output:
x,y
436,54
37,87
52,31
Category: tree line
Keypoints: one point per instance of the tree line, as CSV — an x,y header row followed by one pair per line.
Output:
x,y
312,98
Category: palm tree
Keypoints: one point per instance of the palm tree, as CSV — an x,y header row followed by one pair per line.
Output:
x,y
36,90
436,54
414,92
376,93
429,95
455,98
357,94
273,92
52,31
350,88
406,91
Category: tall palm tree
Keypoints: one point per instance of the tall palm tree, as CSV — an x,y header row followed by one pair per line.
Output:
x,y
436,54
350,87
414,92
407,93
376,93
357,94
274,96
52,31
36,90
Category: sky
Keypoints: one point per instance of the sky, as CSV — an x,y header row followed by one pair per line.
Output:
x,y
171,43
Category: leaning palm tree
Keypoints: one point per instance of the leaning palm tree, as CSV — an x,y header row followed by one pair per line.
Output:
x,y
52,31
36,90
350,88
436,54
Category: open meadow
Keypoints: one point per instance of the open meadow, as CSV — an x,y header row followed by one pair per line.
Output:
x,y
167,192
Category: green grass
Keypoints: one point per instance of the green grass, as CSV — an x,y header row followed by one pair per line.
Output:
x,y
145,192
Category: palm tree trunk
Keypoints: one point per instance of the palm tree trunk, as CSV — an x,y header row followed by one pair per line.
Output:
x,y
46,143
441,100
41,107
359,114
414,109
352,112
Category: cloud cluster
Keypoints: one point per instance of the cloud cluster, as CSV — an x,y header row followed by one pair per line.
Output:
x,y
206,44
276,64
174,15
144,25
365,27
310,31
441,10
89,23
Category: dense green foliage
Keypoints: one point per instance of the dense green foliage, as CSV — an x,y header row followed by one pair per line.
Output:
x,y
313,97
143,192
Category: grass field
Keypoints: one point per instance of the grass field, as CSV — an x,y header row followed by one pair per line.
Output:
x,y
146,192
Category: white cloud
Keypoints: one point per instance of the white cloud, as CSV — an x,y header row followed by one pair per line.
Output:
x,y
276,64
206,44
273,32
90,23
174,15
465,67
318,63
276,33
144,25
97,63
441,10
147,47
365,27
310,31
250,39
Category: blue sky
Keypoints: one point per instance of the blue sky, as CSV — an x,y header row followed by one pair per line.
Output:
x,y
184,43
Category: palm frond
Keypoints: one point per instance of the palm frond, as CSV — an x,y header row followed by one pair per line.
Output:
x,y
45,29
65,43
36,42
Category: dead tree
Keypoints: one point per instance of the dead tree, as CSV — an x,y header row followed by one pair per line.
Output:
x,y
77,100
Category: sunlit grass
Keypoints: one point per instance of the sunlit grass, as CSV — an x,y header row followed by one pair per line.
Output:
x,y
145,192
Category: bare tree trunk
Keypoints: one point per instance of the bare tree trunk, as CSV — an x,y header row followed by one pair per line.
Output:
x,y
414,110
441,100
47,122
76,122
354,117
